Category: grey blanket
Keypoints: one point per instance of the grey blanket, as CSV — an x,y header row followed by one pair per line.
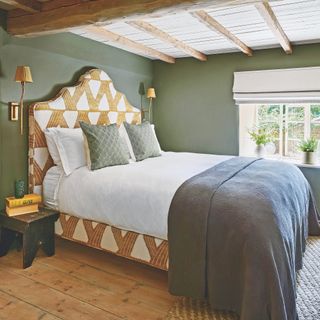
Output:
x,y
237,233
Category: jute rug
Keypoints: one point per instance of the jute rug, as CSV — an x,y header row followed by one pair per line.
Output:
x,y
308,299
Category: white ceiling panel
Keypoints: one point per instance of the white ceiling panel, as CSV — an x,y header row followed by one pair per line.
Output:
x,y
299,19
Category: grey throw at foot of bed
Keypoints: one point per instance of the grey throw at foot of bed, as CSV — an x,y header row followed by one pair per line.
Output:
x,y
237,234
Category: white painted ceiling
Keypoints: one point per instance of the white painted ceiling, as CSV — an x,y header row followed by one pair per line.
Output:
x,y
300,20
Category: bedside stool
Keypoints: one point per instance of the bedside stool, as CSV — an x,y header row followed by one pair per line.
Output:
x,y
36,229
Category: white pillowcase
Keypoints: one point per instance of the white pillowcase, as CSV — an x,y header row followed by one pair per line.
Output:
x,y
52,146
154,131
86,150
123,133
70,145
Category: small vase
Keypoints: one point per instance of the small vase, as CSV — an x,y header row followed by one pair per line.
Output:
x,y
309,157
260,150
270,148
19,189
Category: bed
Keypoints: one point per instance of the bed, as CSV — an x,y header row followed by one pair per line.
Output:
x,y
134,197
95,100
235,225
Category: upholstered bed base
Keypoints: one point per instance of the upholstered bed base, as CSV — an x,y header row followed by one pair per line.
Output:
x,y
127,244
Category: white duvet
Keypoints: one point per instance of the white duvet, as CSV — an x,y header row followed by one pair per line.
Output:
x,y
134,197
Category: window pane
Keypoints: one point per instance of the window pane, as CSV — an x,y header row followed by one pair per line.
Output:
x,y
295,113
269,119
315,113
315,130
293,148
295,130
294,118
268,113
271,127
315,121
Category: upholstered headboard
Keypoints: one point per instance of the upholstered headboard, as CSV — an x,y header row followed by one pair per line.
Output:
x,y
94,99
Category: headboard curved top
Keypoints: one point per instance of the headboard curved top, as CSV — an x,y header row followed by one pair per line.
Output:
x,y
93,99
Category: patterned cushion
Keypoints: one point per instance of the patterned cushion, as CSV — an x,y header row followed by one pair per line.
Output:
x,y
105,145
143,140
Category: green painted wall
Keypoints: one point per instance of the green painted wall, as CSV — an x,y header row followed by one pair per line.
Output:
x,y
194,110
55,61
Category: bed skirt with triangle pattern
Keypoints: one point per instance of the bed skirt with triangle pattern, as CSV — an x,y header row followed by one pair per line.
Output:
x,y
127,244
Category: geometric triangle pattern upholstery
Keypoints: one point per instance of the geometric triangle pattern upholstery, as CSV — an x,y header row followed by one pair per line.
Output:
x,y
94,100
128,244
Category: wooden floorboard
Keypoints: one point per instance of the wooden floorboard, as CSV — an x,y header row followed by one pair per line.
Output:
x,y
13,308
81,283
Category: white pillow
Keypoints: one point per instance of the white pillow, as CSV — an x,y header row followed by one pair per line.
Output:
x,y
123,133
154,131
52,147
86,150
70,145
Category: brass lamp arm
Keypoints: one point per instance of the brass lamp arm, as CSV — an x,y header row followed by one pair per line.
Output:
x,y
21,107
150,111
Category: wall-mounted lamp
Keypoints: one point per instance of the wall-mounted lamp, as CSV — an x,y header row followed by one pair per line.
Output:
x,y
23,75
142,92
14,111
151,94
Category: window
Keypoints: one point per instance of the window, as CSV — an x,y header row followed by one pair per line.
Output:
x,y
290,123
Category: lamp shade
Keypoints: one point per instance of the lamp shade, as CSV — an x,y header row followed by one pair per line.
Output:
x,y
23,74
151,93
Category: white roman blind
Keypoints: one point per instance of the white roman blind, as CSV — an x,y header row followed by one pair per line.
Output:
x,y
300,85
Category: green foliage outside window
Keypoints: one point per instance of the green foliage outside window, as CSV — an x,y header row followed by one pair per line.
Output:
x,y
289,125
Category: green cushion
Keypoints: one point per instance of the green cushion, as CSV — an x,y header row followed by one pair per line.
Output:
x,y
143,140
105,145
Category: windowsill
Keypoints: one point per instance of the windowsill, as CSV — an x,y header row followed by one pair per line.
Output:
x,y
295,161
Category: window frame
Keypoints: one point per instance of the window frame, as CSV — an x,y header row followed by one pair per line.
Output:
x,y
284,125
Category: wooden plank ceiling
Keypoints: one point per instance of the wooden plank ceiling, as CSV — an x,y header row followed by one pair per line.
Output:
x,y
171,29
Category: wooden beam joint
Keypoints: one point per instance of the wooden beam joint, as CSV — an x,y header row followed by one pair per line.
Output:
x,y
271,20
165,37
214,25
126,42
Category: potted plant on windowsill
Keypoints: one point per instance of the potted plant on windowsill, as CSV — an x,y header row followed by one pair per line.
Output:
x,y
261,137
309,149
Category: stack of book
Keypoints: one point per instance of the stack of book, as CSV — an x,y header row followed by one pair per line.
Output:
x,y
28,204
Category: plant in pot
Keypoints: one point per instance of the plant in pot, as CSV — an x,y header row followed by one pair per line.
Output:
x,y
309,148
261,137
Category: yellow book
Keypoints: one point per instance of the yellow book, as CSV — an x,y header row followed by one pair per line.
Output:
x,y
22,210
12,202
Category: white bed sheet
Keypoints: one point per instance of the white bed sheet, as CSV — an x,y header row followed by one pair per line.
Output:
x,y
134,197
50,185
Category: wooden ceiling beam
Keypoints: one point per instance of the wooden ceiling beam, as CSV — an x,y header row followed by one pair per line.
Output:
x,y
130,44
76,13
271,20
214,25
25,5
165,37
